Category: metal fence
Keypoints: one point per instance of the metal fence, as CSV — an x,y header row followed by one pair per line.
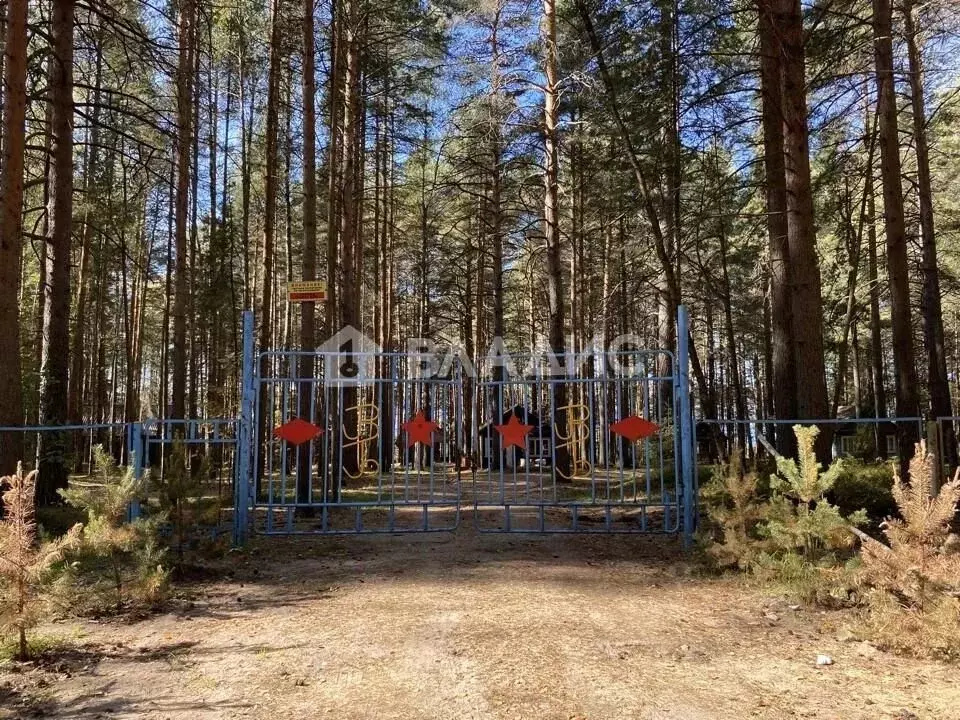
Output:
x,y
191,463
352,440
864,438
71,444
332,452
578,466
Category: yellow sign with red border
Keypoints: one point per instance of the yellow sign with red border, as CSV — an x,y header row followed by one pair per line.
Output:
x,y
307,291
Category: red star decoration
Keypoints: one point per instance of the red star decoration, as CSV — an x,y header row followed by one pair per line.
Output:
x,y
514,433
634,428
297,431
419,429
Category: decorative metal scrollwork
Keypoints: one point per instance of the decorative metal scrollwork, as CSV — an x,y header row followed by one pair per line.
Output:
x,y
578,417
368,431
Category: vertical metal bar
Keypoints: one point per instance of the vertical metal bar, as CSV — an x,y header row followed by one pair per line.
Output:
x,y
242,484
135,450
686,432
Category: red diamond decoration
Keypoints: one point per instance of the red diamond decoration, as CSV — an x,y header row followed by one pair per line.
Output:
x,y
297,431
634,428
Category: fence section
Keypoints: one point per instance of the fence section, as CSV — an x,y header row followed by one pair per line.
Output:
x,y
355,442
595,449
863,438
349,439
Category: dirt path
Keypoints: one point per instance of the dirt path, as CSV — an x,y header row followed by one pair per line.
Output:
x,y
475,627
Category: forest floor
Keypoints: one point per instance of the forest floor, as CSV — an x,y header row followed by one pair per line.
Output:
x,y
466,626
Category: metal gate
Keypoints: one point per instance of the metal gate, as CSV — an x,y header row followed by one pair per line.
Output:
x,y
354,442
602,444
349,439
595,449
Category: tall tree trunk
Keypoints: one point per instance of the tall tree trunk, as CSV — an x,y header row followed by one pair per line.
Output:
x,y
932,313
286,338
854,243
56,318
895,228
3,64
551,225
193,323
11,230
309,268
215,283
805,289
494,221
666,300
349,204
185,110
783,378
246,141
335,103
270,170
74,402
349,301
739,398
876,337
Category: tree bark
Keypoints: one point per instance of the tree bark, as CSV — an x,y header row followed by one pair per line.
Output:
x,y
932,312
895,229
52,448
783,386
11,231
805,289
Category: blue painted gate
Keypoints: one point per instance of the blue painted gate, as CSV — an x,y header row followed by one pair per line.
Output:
x,y
350,440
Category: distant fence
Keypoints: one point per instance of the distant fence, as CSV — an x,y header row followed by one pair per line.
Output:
x,y
865,438
209,447
76,443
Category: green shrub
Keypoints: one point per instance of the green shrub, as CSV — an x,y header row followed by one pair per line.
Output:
x,y
183,500
867,486
118,563
796,536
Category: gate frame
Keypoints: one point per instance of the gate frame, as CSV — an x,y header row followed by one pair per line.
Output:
x,y
246,435
687,439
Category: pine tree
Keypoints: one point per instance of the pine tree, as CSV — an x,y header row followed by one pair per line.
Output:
x,y
914,566
24,562
117,560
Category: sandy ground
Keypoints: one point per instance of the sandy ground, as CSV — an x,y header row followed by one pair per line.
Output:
x,y
467,626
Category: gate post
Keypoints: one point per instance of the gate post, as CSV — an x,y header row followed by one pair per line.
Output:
x,y
135,451
245,434
686,424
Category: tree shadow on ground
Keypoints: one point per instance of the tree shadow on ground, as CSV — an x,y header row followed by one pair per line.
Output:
x,y
287,571
29,691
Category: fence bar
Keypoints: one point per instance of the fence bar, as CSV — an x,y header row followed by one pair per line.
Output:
x,y
686,423
241,495
136,451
